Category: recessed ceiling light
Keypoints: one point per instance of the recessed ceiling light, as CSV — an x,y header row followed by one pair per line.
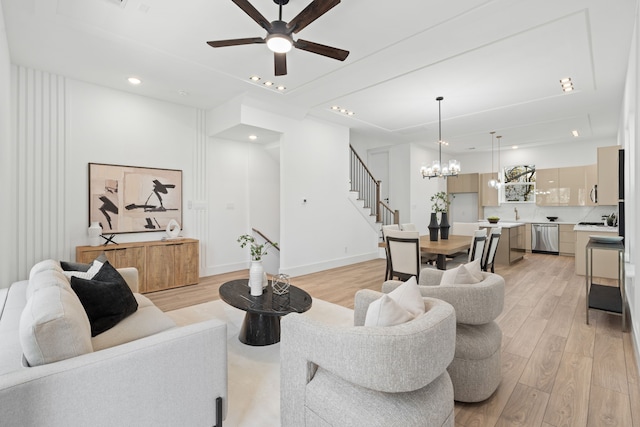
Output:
x,y
575,133
254,78
253,137
183,92
134,80
566,84
267,83
335,107
280,87
514,147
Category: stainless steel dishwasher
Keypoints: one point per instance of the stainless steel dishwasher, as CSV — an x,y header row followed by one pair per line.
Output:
x,y
544,239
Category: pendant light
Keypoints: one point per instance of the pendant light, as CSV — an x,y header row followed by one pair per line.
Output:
x,y
437,169
492,182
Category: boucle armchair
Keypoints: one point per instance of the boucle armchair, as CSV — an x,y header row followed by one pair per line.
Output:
x,y
476,367
368,376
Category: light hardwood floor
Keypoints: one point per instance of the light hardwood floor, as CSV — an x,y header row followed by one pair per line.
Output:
x,y
557,370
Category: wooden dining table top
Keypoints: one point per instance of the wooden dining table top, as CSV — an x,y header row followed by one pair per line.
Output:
x,y
452,245
455,243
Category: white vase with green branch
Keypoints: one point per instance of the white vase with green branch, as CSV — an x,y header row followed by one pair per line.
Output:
x,y
256,272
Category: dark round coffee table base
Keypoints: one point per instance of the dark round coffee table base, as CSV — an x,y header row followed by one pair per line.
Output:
x,y
260,329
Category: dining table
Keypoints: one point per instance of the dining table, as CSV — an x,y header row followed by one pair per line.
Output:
x,y
443,247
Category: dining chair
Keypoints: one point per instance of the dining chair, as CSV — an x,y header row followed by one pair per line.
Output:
x,y
403,250
464,228
426,257
492,248
385,228
476,249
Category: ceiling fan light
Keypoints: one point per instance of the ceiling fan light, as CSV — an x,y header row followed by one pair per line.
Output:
x,y
279,43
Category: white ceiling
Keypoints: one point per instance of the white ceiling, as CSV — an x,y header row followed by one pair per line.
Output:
x,y
497,63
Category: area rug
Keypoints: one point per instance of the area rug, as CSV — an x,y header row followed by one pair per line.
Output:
x,y
254,372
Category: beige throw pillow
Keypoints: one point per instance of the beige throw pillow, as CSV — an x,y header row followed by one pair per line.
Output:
x,y
458,276
386,312
53,327
408,296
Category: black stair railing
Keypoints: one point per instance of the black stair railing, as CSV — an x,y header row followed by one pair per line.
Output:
x,y
368,188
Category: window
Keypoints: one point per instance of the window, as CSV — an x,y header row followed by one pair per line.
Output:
x,y
519,184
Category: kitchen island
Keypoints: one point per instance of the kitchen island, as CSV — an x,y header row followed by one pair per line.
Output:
x,y
511,246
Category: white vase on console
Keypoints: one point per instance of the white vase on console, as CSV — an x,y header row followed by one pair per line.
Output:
x,y
256,277
94,232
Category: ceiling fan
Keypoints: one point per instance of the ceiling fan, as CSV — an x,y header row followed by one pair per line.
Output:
x,y
279,38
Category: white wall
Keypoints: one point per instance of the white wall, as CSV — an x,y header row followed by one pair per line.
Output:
x,y
8,266
61,125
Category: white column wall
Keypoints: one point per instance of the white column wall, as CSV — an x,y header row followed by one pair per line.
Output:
x,y
8,263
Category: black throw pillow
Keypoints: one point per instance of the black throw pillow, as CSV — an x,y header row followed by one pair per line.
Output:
x,y
106,298
78,266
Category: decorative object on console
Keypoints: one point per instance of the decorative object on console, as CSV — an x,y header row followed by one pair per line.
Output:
x,y
149,197
434,227
437,169
280,284
173,229
94,232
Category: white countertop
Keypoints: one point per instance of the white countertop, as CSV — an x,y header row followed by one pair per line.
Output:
x,y
503,224
598,228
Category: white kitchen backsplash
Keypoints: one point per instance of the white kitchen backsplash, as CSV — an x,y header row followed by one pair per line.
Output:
x,y
529,212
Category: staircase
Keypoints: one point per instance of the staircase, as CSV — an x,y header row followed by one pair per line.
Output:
x,y
365,193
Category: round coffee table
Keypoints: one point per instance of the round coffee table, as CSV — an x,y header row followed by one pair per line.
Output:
x,y
261,324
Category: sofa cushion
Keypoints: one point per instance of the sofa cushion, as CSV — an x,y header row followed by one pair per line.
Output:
x,y
106,298
46,278
147,320
47,264
92,271
78,266
53,327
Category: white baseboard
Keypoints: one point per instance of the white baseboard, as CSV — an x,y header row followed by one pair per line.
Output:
x,y
341,262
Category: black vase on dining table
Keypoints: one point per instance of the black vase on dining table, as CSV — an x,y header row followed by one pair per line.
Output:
x,y
434,227
444,226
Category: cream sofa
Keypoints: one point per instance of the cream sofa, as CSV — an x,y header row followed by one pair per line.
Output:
x,y
145,371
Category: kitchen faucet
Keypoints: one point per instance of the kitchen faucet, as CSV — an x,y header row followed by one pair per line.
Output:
x,y
516,211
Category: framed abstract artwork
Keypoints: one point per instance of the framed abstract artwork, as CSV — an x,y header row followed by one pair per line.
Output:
x,y
131,199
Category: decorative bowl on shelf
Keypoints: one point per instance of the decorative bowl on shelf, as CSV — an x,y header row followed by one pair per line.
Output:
x,y
552,218
493,219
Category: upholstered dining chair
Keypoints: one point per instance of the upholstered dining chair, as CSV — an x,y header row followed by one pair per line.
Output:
x,y
425,257
403,251
476,367
464,228
476,250
385,228
352,376
492,248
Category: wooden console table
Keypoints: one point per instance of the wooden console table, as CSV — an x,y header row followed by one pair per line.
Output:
x,y
161,264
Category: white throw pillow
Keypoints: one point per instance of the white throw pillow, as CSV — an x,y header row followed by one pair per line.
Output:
x,y
386,312
53,327
88,275
475,269
408,296
458,276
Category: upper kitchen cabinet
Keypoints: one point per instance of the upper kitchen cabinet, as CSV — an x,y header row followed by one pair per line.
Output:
x,y
563,186
608,175
488,195
463,183
592,182
547,187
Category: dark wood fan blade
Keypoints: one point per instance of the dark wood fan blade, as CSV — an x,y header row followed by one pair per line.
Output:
x,y
315,10
280,60
235,42
320,49
253,13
